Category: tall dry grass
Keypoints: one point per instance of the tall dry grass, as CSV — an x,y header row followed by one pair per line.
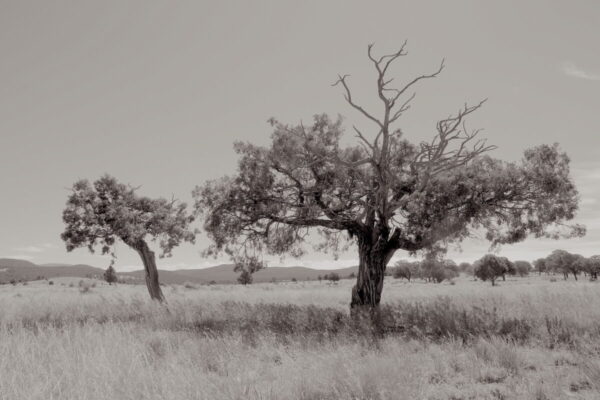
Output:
x,y
296,341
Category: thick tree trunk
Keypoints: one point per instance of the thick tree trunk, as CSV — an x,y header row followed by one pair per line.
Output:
x,y
151,271
369,281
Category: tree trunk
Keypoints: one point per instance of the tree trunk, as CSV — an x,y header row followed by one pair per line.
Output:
x,y
151,272
369,281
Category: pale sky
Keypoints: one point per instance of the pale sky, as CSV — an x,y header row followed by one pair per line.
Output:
x,y
155,93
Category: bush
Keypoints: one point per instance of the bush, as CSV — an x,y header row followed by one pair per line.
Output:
x,y
84,287
245,278
110,275
332,277
50,283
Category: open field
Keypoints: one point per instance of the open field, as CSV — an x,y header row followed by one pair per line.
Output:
x,y
529,338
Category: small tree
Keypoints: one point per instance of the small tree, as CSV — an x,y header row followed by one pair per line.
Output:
x,y
332,277
491,267
110,275
384,193
522,268
540,265
405,269
465,268
100,213
593,267
435,270
247,266
565,262
245,278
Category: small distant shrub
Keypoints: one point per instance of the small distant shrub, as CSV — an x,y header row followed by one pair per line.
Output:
x,y
110,275
71,284
189,285
50,283
332,277
84,287
245,278
212,282
294,280
13,282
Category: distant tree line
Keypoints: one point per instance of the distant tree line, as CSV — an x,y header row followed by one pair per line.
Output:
x,y
491,267
430,269
565,263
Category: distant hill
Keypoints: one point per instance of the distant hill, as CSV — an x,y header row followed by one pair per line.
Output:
x,y
21,270
224,273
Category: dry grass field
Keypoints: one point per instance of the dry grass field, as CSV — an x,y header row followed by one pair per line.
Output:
x,y
528,338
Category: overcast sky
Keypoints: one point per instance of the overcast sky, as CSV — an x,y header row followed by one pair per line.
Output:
x,y
156,92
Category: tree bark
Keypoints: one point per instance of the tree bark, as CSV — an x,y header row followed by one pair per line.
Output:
x,y
366,293
149,261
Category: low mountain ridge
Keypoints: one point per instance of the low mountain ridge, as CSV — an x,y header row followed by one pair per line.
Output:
x,y
21,270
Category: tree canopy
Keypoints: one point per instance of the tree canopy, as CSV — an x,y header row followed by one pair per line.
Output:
x,y
385,193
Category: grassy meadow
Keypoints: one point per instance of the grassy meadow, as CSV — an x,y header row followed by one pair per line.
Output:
x,y
528,338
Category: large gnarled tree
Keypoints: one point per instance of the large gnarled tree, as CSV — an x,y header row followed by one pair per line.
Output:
x,y
385,194
100,213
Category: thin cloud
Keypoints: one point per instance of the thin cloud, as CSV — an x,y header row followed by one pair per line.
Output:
x,y
25,257
570,69
30,249
35,249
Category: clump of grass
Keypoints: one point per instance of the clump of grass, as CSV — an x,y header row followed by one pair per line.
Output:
x,y
84,287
